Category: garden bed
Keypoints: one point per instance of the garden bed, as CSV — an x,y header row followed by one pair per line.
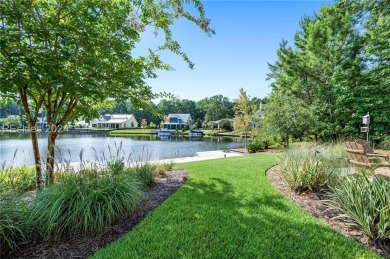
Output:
x,y
314,204
83,247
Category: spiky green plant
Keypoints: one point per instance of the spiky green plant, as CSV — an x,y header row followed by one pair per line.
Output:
x,y
365,202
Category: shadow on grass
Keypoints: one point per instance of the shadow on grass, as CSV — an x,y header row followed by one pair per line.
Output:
x,y
259,224
226,210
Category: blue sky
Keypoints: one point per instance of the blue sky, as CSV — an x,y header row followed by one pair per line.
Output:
x,y
248,34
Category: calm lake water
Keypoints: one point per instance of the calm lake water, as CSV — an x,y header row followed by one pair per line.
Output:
x,y
139,148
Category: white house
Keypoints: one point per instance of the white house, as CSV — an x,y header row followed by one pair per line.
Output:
x,y
115,121
177,121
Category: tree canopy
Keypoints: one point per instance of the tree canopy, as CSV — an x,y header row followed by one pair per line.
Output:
x,y
216,107
69,56
338,67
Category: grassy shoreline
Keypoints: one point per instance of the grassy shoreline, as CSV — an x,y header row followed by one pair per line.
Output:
x,y
130,132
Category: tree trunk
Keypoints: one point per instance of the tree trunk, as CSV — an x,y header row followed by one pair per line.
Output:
x,y
51,140
287,140
31,118
37,158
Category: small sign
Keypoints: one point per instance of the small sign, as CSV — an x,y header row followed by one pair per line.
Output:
x,y
366,119
363,129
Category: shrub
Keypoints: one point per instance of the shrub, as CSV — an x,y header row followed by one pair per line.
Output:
x,y
312,169
365,203
385,144
84,205
255,146
225,124
14,230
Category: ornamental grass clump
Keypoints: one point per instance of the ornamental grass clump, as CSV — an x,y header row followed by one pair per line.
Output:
x,y
143,174
14,228
161,168
84,205
312,168
365,202
17,179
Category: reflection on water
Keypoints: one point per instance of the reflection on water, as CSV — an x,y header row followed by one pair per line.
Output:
x,y
139,147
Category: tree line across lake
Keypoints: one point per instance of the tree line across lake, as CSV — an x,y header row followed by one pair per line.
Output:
x,y
206,110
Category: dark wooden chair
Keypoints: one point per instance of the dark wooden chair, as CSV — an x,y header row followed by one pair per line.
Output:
x,y
361,153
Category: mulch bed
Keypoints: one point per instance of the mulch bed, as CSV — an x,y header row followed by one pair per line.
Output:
x,y
84,247
315,205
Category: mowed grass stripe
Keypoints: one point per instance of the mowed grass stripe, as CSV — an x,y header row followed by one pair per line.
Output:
x,y
228,209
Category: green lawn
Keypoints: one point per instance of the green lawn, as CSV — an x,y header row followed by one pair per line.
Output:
x,y
131,132
228,209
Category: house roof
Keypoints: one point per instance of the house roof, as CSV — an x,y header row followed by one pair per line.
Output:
x,y
219,121
183,116
114,118
258,112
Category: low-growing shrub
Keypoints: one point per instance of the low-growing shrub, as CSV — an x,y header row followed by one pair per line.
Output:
x,y
385,143
365,202
312,169
257,145
84,205
14,229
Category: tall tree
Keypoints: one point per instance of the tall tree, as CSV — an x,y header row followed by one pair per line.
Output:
x,y
68,56
377,52
331,67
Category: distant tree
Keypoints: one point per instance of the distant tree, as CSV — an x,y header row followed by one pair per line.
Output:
x,y
166,106
198,123
212,125
287,116
152,125
244,112
189,124
164,120
216,107
225,124
11,122
144,123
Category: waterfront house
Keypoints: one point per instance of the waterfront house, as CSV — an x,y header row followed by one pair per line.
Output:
x,y
115,121
257,117
177,121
